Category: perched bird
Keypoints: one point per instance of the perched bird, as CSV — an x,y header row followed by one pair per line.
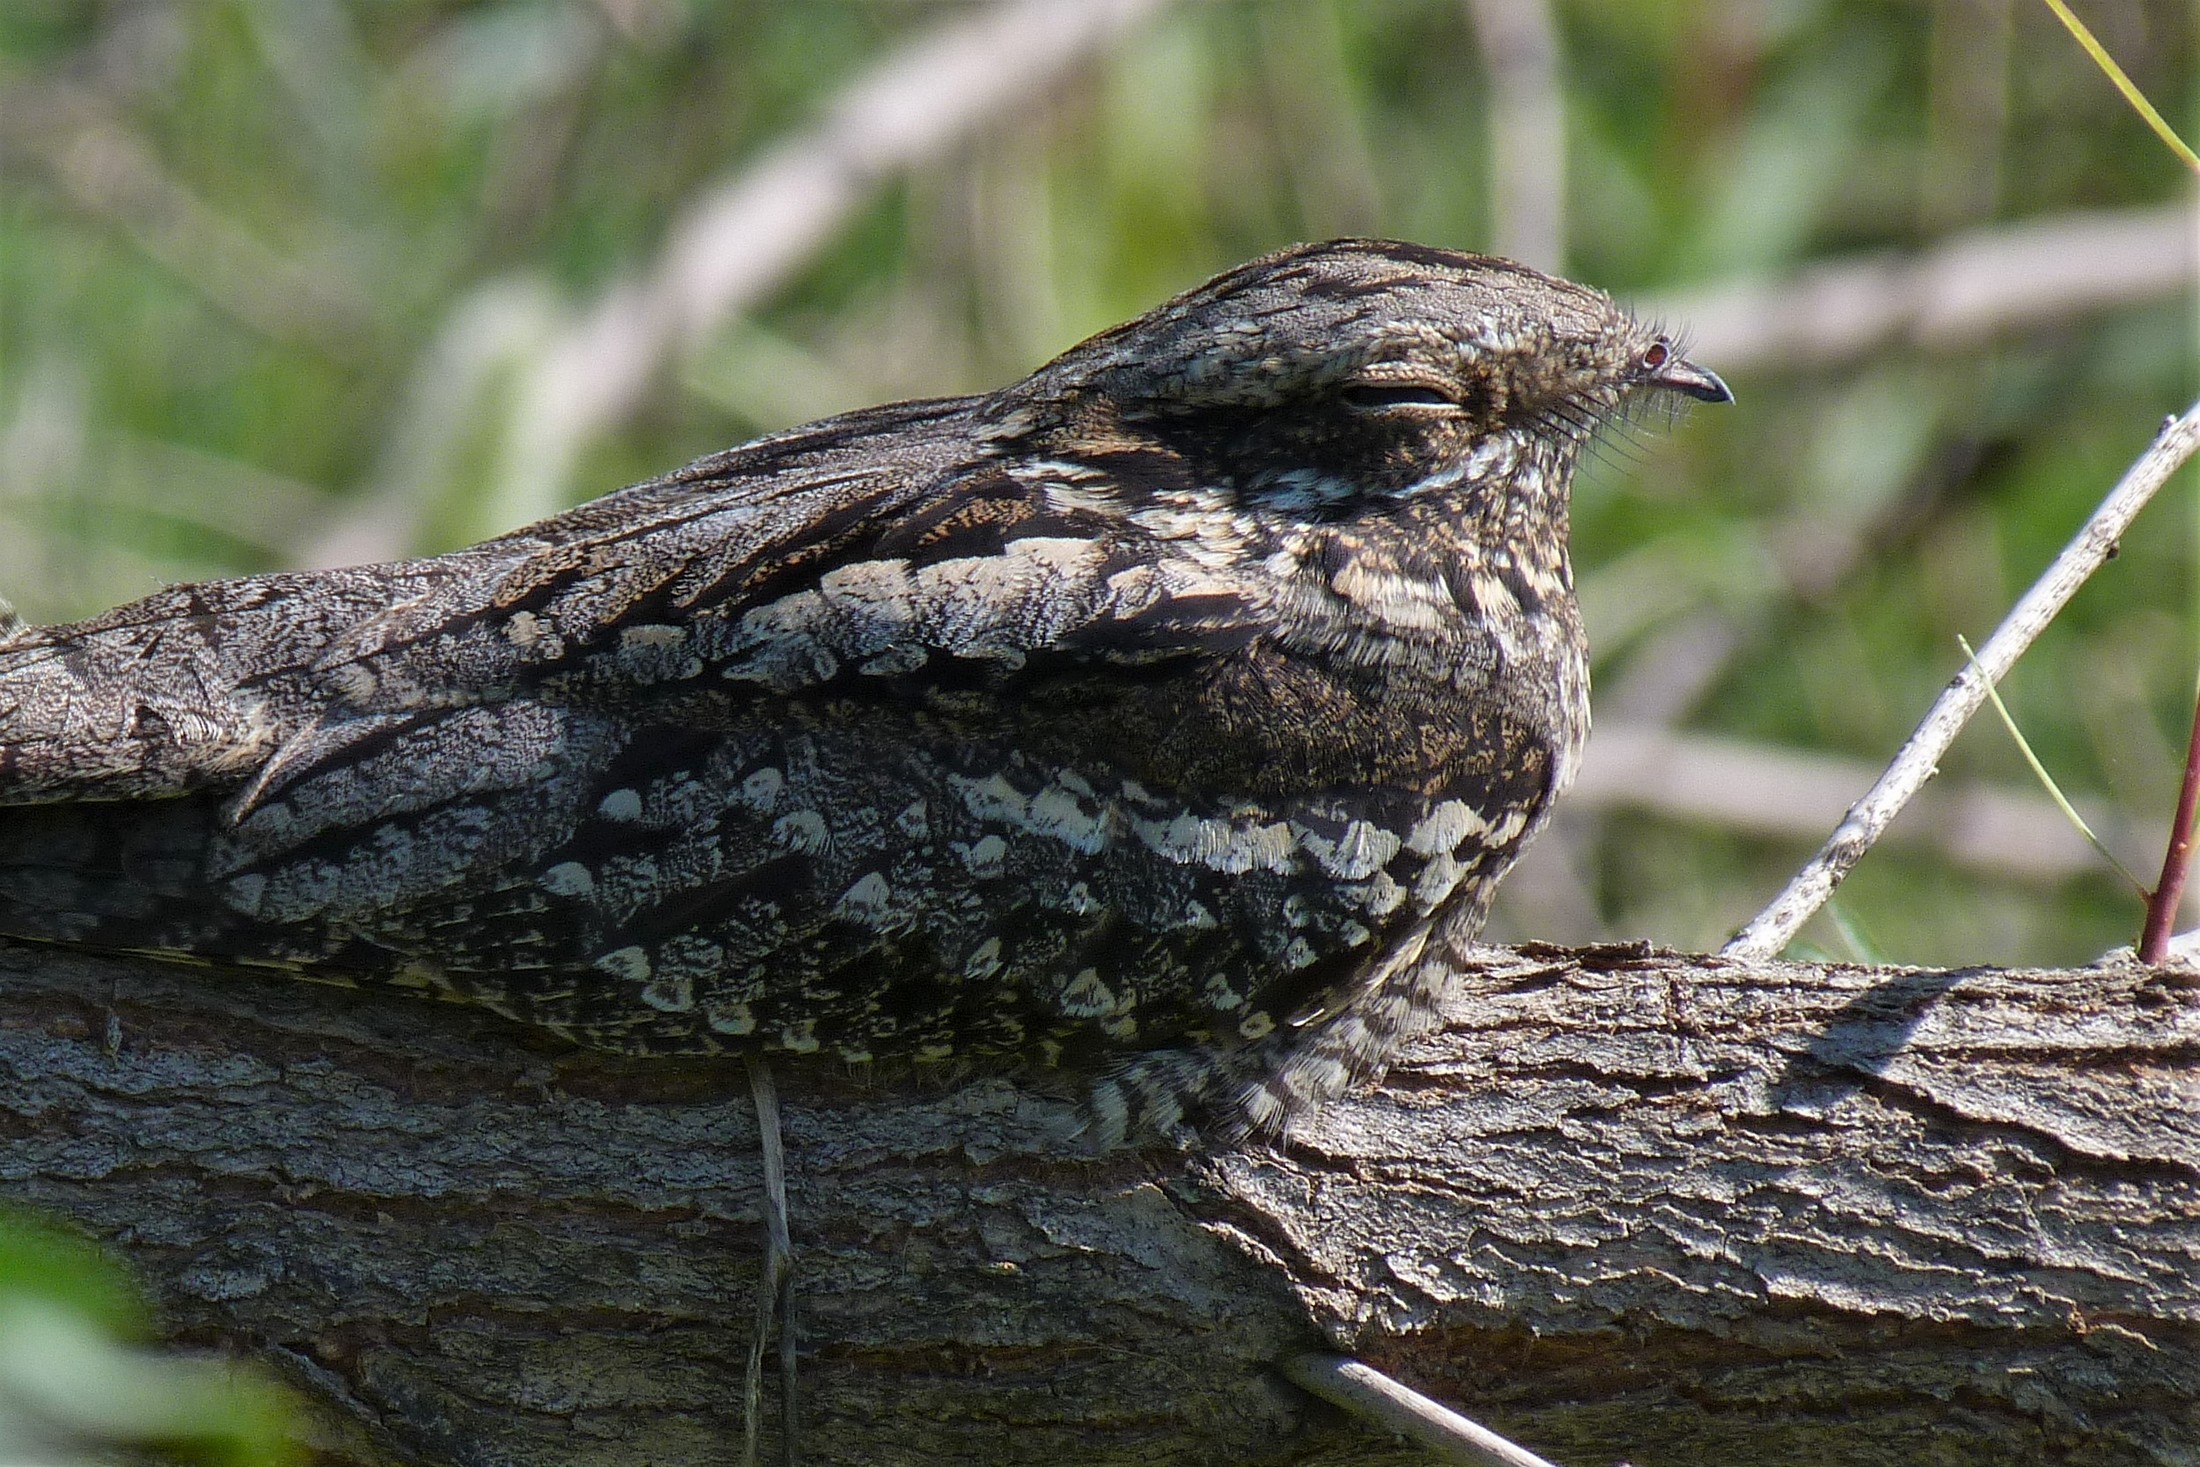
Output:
x,y
1166,718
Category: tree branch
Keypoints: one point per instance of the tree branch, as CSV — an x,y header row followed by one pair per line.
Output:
x,y
1623,1205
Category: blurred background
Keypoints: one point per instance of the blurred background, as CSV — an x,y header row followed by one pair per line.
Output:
x,y
299,282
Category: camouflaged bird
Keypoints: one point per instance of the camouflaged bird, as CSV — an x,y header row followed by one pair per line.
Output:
x,y
1167,717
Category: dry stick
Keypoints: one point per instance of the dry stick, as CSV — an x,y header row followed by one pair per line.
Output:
x,y
2176,861
1373,1396
1770,931
774,1279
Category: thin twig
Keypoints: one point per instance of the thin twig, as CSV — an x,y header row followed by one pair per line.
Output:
x,y
1773,928
774,1279
1374,1397
2176,861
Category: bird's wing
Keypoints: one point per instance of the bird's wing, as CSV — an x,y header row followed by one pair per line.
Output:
x,y
848,576
866,580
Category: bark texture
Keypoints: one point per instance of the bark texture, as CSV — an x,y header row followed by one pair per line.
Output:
x,y
1624,1205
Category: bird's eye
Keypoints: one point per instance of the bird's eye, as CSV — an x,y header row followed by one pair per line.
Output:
x,y
1377,396
1660,352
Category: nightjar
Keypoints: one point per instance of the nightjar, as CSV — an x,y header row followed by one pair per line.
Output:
x,y
1166,718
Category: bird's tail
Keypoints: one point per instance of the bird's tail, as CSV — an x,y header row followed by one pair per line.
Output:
x,y
144,701
119,737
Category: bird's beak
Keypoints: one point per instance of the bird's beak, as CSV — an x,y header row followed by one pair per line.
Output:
x,y
1682,375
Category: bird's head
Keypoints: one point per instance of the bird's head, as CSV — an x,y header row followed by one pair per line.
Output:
x,y
1332,379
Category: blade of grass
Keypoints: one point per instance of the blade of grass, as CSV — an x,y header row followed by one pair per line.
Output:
x,y
1861,948
2115,73
2047,781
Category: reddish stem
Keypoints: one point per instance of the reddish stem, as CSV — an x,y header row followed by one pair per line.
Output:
x,y
2176,861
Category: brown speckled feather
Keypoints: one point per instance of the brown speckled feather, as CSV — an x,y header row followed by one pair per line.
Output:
x,y
1168,716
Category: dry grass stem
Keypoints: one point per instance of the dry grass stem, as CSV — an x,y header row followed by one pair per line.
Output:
x,y
1374,1397
1519,41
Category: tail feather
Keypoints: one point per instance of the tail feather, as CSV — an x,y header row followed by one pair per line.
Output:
x,y
192,687
136,703
120,737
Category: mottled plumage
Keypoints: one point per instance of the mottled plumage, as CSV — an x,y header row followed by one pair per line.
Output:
x,y
1168,716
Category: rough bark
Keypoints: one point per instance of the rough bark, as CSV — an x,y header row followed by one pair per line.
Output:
x,y
1626,1205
